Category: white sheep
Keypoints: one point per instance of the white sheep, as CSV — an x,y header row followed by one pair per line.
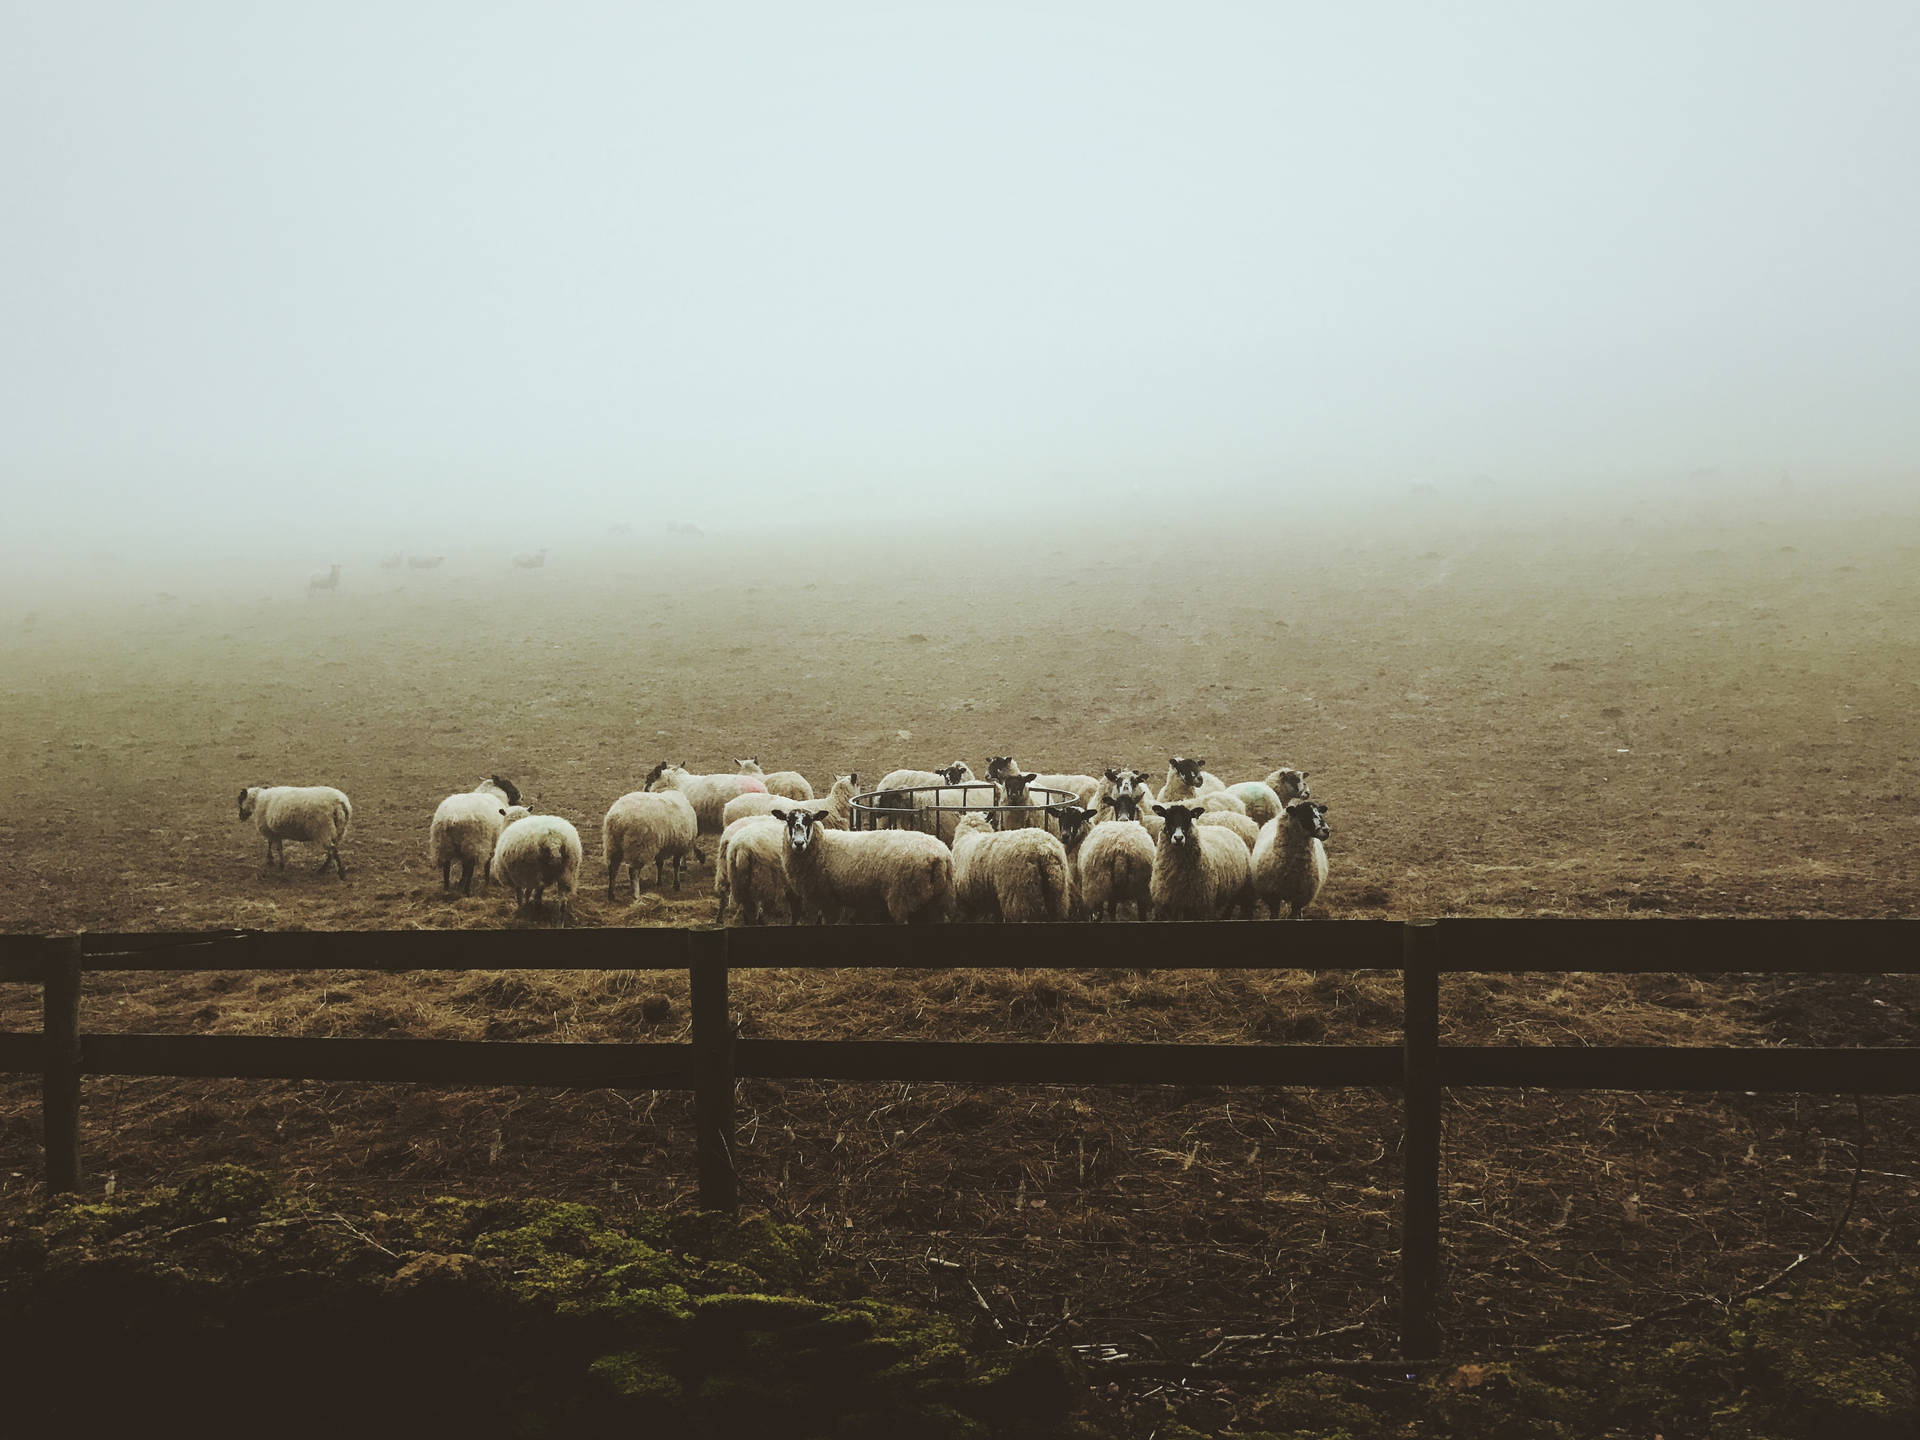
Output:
x,y
836,804
909,811
1258,800
752,870
1289,784
1116,868
1122,794
1079,788
1240,825
316,813
1187,778
790,783
648,827
531,562
324,582
1018,875
1290,860
466,826
903,872
1200,872
534,852
708,794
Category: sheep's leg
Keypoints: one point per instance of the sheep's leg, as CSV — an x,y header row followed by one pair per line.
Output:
x,y
633,879
660,872
613,873
269,854
1297,911
333,853
446,877
466,877
678,861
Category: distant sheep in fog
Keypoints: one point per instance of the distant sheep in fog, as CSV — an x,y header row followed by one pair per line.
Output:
x,y
425,562
531,562
316,813
324,582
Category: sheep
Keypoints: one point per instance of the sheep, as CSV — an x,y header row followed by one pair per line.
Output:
x,y
465,828
1288,784
425,562
1200,872
318,813
1113,866
708,794
1080,787
531,562
324,582
1018,875
836,804
790,783
903,811
644,826
906,873
534,852
1012,790
752,870
1239,824
1187,778
1257,798
1122,795
1290,860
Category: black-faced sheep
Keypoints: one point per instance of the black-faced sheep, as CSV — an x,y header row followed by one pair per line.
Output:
x,y
319,814
902,873
1200,872
1290,858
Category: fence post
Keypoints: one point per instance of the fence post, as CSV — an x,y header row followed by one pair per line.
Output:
x,y
712,1070
60,1082
1420,1219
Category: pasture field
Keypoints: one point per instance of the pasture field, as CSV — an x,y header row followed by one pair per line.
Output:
x,y
1613,718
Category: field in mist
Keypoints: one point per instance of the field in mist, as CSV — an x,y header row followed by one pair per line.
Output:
x,y
1700,716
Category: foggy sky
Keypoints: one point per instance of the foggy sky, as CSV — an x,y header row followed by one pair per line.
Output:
x,y
373,269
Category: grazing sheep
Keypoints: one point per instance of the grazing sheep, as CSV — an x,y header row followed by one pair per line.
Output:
x,y
790,783
836,804
1080,787
316,813
531,562
1187,778
752,870
648,826
534,852
425,562
1200,872
1290,861
708,794
1018,875
324,582
903,872
465,828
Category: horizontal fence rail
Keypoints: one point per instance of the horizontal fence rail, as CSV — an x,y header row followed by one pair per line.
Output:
x,y
714,1058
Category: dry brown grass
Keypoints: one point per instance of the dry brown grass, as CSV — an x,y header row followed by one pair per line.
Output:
x,y
1466,715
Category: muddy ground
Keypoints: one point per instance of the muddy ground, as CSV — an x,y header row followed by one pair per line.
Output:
x,y
1631,715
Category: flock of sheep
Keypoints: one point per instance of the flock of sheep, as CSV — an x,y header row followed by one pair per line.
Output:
x,y
924,845
327,581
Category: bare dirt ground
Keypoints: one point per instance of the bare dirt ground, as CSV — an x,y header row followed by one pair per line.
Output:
x,y
1619,717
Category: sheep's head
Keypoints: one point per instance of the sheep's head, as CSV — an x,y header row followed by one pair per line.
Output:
x,y
249,797
654,774
1289,784
848,784
799,827
1188,770
516,812
750,766
1310,816
1126,803
955,773
974,822
1013,786
999,766
1074,821
508,790
1180,822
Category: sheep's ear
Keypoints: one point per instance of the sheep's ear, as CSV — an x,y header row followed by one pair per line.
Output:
x,y
1201,763
1160,810
780,815
1029,779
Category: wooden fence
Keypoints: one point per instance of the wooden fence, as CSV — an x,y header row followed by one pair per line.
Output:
x,y
714,1059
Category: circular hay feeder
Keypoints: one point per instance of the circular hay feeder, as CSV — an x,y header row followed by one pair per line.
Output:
x,y
936,809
